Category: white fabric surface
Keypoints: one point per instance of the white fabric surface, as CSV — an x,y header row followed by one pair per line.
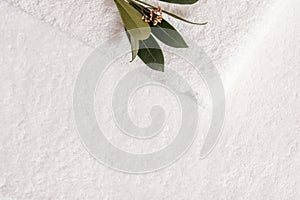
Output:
x,y
254,44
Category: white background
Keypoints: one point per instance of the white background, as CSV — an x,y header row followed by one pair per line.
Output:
x,y
255,44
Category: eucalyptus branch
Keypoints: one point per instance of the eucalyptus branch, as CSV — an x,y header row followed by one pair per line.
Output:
x,y
142,21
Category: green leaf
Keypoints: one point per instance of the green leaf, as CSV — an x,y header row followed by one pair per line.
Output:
x,y
134,46
132,20
166,33
180,1
137,6
151,54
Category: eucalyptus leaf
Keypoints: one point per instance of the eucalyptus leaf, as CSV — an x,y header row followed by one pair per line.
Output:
x,y
151,54
180,1
131,18
166,33
134,46
136,6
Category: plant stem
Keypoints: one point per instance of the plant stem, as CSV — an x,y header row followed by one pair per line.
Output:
x,y
140,7
171,14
